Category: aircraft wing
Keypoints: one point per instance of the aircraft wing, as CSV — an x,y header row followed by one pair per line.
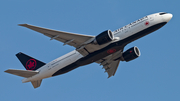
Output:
x,y
111,63
71,39
111,68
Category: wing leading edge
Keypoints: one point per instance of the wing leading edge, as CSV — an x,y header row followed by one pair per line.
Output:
x,y
71,39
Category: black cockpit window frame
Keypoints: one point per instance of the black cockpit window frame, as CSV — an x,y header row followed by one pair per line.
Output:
x,y
162,13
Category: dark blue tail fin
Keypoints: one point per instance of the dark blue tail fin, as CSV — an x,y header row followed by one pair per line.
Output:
x,y
28,62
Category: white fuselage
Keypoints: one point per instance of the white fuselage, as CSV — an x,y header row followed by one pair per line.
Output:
x,y
121,34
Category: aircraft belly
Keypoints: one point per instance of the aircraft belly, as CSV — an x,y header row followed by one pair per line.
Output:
x,y
92,57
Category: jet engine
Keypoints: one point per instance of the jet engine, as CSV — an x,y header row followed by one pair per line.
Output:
x,y
131,54
104,37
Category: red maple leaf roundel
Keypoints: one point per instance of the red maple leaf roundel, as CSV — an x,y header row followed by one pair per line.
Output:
x,y
147,23
31,64
110,51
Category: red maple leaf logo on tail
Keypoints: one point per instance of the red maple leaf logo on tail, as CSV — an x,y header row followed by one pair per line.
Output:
x,y
31,64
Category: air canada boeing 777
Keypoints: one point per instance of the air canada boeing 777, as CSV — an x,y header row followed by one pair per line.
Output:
x,y
106,49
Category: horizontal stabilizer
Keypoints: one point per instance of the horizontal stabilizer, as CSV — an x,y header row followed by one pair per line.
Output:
x,y
36,84
22,73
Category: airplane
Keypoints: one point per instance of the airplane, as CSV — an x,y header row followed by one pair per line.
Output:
x,y
106,49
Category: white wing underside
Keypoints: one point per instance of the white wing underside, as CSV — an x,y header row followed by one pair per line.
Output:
x,y
110,64
71,39
111,68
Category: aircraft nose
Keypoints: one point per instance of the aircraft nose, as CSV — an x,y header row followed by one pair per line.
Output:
x,y
167,17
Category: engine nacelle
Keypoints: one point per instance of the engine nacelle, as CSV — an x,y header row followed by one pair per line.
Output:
x,y
104,37
131,54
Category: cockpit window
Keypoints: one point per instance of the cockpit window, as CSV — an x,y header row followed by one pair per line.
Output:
x,y
162,13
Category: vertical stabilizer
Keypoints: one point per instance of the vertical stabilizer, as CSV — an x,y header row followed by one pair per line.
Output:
x,y
28,62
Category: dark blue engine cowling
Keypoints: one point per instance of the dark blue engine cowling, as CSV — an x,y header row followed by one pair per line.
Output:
x,y
131,54
104,37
